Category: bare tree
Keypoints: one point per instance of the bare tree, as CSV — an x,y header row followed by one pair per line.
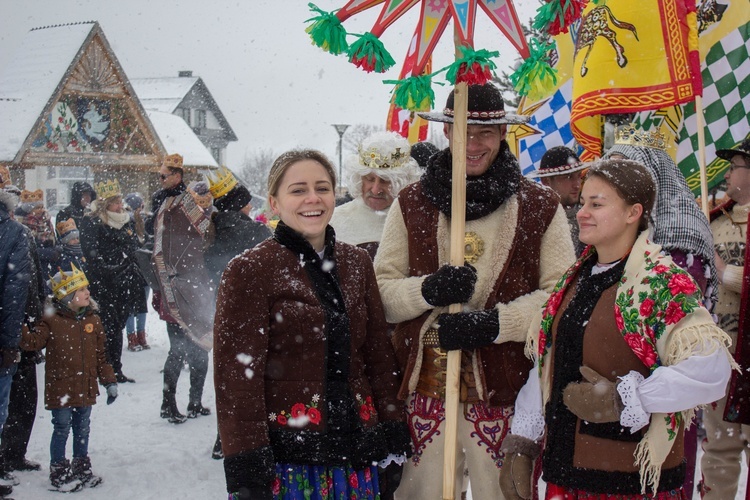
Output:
x,y
254,170
358,133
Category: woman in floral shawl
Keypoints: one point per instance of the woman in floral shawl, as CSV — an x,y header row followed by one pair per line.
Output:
x,y
624,353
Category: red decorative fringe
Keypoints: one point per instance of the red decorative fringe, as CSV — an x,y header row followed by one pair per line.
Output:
x,y
476,75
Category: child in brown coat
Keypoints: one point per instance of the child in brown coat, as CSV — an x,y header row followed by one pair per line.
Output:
x,y
73,335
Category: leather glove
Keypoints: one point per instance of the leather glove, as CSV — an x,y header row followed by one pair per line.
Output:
x,y
518,467
111,393
389,479
252,493
449,285
11,356
595,400
468,330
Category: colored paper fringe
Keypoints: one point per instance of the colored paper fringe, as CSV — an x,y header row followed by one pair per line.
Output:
x,y
326,31
413,93
556,16
369,54
473,67
535,78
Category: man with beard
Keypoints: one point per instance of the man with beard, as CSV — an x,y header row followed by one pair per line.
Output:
x,y
379,170
517,245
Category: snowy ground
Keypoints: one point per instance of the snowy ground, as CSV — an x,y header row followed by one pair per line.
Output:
x,y
138,454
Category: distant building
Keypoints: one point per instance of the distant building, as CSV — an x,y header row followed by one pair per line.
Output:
x,y
70,113
188,97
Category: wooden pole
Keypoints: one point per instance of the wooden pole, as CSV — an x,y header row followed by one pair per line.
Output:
x,y
702,154
458,227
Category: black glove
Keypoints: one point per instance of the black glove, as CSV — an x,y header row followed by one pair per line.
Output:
x,y
449,285
250,474
111,393
253,493
468,330
389,479
11,356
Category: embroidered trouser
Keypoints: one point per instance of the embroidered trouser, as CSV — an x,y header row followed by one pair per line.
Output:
x,y
480,432
722,453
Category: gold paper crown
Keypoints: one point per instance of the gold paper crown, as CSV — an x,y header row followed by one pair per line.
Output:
x,y
202,200
628,134
372,158
32,196
173,161
108,189
66,226
69,282
4,176
221,182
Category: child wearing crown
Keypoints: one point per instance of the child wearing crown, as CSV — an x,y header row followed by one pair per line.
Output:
x,y
72,334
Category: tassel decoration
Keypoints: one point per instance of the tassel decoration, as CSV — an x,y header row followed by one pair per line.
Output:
x,y
473,67
413,93
370,54
326,31
556,16
535,78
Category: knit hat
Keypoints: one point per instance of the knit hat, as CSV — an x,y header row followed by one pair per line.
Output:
x,y
64,284
134,201
559,160
387,155
67,231
485,107
422,151
743,149
235,200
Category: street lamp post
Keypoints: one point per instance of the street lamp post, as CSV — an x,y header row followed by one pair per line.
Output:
x,y
340,128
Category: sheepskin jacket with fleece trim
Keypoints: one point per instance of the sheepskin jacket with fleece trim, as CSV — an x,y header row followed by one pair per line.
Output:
x,y
275,372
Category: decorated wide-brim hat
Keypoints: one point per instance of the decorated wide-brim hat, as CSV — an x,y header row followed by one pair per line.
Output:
x,y
742,149
485,107
559,160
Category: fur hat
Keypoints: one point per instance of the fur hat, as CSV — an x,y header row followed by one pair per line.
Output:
x,y
387,155
423,151
559,160
64,284
485,107
743,149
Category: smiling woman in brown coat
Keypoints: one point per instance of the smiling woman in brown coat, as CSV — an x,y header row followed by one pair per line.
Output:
x,y
305,374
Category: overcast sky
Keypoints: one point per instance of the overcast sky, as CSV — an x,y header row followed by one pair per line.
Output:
x,y
276,89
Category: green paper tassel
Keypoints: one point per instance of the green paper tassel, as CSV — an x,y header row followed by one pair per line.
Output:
x,y
535,78
473,67
413,93
326,31
369,54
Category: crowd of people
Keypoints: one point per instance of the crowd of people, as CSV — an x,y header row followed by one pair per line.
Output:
x,y
601,311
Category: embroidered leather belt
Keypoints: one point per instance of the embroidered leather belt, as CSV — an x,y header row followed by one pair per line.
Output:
x,y
432,374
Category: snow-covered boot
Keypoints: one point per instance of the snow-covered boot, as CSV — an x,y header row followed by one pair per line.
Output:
x,y
142,340
169,409
82,471
62,478
217,453
133,344
5,491
195,410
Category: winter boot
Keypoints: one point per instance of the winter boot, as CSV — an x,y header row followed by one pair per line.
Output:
x,y
195,410
133,344
22,464
122,378
62,478
5,491
142,340
217,453
7,478
82,471
169,410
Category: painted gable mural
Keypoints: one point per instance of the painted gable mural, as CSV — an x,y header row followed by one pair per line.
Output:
x,y
94,112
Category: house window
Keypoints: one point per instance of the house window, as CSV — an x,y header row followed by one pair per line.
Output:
x,y
51,173
216,153
51,197
200,118
185,112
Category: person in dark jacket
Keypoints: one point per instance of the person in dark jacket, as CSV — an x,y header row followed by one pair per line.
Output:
x,y
109,243
14,288
231,233
81,196
170,175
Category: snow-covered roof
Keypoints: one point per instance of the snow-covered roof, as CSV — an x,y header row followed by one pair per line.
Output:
x,y
162,94
31,78
178,137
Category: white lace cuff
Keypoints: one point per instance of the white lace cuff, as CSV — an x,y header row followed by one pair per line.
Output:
x,y
633,415
392,458
528,424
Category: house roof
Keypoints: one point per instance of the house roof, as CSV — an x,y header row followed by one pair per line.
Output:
x,y
29,81
178,137
166,93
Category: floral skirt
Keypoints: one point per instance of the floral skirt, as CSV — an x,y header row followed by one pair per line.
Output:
x,y
555,492
320,482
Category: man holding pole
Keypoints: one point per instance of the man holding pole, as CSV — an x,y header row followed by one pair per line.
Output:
x,y
516,244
